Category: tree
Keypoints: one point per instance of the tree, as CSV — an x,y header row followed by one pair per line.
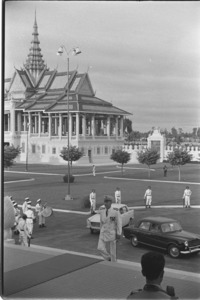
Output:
x,y
179,157
74,154
10,153
148,157
121,157
128,125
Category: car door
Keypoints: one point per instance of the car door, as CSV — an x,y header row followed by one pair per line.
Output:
x,y
156,237
143,234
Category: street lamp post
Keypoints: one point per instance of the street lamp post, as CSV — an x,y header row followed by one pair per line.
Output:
x,y
27,146
75,51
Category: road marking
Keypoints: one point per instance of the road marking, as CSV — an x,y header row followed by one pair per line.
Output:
x,y
132,207
31,179
145,169
162,181
50,174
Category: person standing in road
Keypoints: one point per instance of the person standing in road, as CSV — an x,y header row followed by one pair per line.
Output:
x,y
23,231
30,219
39,209
148,197
165,170
153,264
93,202
24,205
118,195
94,170
110,230
186,196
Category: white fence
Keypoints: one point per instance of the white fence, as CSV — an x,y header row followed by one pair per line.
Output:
x,y
133,149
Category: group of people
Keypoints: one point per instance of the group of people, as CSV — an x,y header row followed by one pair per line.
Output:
x,y
186,197
24,220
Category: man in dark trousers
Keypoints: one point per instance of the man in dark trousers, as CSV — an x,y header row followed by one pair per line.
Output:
x,y
165,170
153,269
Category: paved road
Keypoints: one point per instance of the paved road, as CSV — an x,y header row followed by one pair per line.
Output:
x,y
69,232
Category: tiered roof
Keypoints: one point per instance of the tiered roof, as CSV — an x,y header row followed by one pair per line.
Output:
x,y
35,63
47,90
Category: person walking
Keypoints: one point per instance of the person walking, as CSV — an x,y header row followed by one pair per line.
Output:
x,y
186,196
39,209
165,170
110,230
30,219
24,234
153,264
118,195
148,197
94,170
93,202
24,205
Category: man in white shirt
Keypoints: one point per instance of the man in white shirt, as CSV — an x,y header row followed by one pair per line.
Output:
x,y
24,205
93,202
148,197
30,217
186,196
110,230
39,209
118,195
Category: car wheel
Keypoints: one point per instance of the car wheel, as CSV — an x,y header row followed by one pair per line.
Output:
x,y
134,241
91,230
173,251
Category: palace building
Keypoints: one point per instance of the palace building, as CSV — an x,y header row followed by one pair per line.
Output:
x,y
36,110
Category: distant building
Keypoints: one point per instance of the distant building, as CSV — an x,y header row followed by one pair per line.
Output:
x,y
36,112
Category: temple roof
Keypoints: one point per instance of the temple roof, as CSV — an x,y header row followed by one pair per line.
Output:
x,y
47,90
35,63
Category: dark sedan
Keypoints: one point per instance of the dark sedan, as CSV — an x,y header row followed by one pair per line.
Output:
x,y
163,233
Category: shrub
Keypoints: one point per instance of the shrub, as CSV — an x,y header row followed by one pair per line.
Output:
x,y
85,202
71,178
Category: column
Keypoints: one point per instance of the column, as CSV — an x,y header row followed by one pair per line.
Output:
x,y
84,125
19,121
116,127
30,124
77,125
49,125
12,120
70,127
60,126
39,123
93,126
108,126
121,126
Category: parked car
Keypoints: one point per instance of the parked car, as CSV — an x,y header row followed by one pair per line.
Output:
x,y
163,233
93,223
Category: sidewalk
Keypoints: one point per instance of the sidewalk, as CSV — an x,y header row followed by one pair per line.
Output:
x,y
80,276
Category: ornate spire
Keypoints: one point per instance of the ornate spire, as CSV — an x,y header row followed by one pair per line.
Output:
x,y
34,63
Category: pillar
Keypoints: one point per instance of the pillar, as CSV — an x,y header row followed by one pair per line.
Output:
x,y
108,126
60,126
49,125
70,127
121,126
77,125
93,126
39,123
84,125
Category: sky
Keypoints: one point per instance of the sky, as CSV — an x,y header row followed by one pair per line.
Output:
x,y
143,57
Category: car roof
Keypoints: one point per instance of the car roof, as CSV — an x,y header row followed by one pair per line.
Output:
x,y
157,219
115,205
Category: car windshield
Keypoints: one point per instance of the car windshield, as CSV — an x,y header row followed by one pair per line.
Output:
x,y
171,227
